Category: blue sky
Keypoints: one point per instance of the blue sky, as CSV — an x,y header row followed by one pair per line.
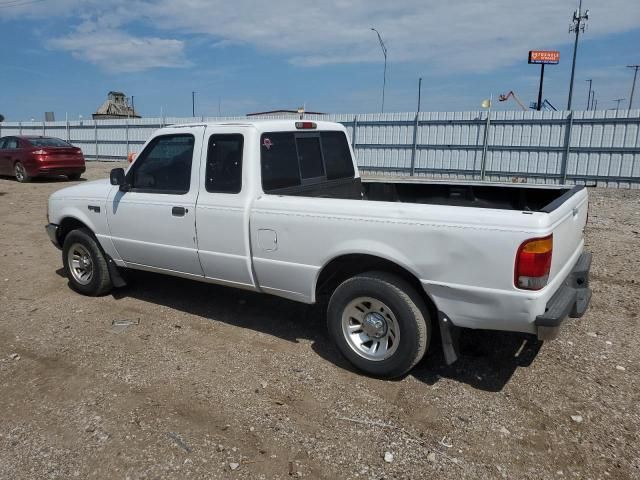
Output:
x,y
244,56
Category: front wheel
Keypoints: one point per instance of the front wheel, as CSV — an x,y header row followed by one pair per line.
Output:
x,y
85,264
379,323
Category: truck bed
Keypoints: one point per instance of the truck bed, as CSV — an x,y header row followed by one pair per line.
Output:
x,y
501,196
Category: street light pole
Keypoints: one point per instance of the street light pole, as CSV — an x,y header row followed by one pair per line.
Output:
x,y
419,92
193,104
618,100
384,52
633,85
578,25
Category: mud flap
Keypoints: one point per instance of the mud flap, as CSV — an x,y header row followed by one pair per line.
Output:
x,y
114,273
450,335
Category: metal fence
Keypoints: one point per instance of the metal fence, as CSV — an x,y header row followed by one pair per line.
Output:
x,y
592,147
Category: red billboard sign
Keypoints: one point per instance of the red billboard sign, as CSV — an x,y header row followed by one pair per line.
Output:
x,y
544,56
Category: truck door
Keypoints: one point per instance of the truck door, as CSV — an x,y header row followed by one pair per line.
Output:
x,y
153,223
222,211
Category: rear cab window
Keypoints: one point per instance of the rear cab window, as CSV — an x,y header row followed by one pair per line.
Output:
x,y
292,159
224,163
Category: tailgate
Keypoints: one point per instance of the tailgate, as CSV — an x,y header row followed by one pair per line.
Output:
x,y
568,217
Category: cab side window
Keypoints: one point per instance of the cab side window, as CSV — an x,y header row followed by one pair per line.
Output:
x,y
11,143
224,163
164,166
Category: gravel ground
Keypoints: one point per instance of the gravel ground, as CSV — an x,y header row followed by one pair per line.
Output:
x,y
211,382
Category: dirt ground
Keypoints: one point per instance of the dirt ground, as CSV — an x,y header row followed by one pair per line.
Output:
x,y
220,383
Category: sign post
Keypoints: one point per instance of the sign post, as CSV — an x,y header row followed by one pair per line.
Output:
x,y
543,57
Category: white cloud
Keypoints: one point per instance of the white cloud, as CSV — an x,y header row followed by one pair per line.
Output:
x,y
476,35
461,35
116,51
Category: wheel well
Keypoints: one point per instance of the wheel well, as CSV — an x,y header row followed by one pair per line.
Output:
x,y
67,225
341,268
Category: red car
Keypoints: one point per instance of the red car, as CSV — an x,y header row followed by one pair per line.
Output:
x,y
26,157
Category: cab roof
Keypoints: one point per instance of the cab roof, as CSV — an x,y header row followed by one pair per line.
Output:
x,y
264,124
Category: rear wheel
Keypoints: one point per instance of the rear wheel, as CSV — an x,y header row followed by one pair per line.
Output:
x,y
74,176
85,264
21,173
379,323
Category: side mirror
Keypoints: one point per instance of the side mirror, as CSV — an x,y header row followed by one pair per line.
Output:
x,y
117,177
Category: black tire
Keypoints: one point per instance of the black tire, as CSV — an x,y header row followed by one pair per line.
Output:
x,y
74,176
410,312
100,282
21,173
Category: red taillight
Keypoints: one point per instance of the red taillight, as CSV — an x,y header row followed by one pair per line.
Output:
x,y
533,263
306,125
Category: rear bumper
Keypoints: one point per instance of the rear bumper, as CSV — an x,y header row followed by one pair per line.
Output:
x,y
46,171
52,231
570,300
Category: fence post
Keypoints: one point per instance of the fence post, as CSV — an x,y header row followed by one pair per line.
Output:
x,y
44,128
95,135
20,126
567,146
126,135
353,136
415,145
485,147
68,133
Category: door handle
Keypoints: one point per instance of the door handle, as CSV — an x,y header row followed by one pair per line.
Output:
x,y
179,211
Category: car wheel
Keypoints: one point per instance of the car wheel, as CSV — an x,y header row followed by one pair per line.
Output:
x,y
73,176
21,173
85,264
380,323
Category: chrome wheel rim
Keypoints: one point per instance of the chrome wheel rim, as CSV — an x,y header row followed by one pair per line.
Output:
x,y
80,264
370,328
19,172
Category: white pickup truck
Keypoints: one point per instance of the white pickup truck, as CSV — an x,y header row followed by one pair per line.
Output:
x,y
278,206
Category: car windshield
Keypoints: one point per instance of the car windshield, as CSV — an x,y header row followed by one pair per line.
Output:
x,y
48,142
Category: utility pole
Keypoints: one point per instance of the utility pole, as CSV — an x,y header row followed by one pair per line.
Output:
x,y
419,92
618,100
384,52
633,85
589,97
193,104
579,23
